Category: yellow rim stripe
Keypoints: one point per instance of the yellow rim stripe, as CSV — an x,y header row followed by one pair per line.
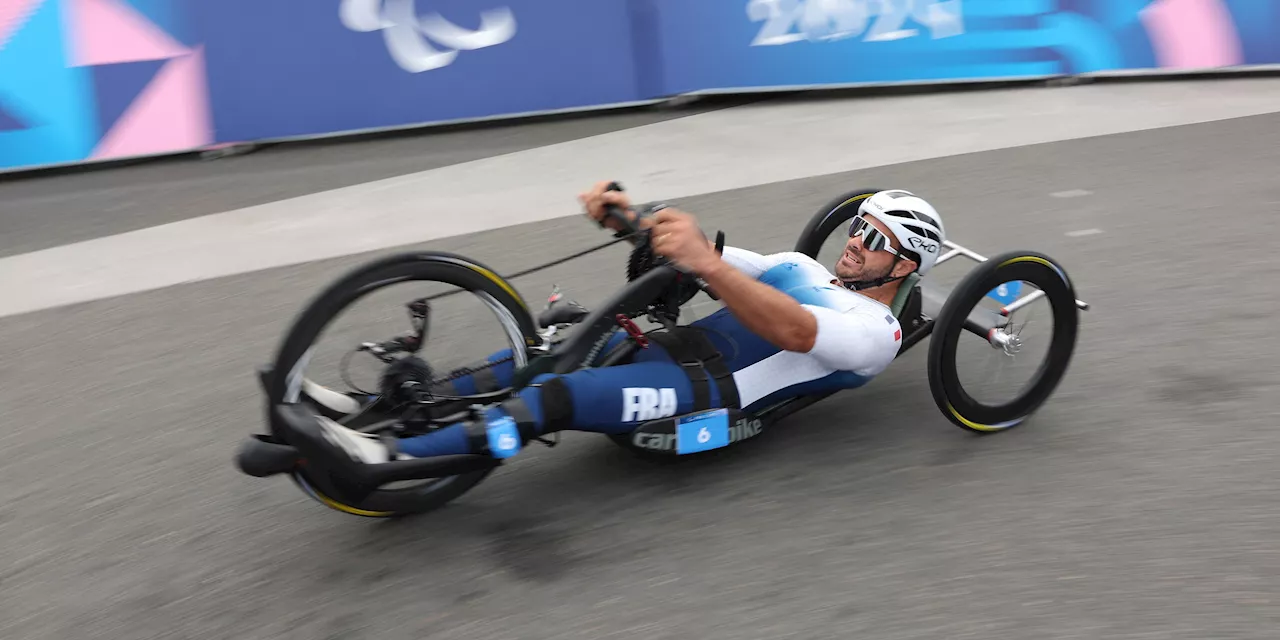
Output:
x,y
982,427
498,281
986,427
1040,261
969,423
855,199
1029,259
338,506
330,502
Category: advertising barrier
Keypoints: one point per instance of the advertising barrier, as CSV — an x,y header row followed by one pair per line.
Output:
x,y
746,44
92,80
306,68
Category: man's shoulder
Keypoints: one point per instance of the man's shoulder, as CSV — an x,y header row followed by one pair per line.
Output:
x,y
792,265
791,258
876,318
869,335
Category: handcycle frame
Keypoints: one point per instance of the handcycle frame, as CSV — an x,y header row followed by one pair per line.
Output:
x,y
924,304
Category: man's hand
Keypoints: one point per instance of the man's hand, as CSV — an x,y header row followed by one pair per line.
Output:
x,y
595,199
675,235
767,312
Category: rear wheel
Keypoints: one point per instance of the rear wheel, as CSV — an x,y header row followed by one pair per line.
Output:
x,y
991,279
286,381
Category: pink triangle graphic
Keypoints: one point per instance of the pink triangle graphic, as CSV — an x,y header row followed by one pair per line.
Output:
x,y
171,114
13,13
110,31
1189,34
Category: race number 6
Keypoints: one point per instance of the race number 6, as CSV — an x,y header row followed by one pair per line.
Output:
x,y
703,435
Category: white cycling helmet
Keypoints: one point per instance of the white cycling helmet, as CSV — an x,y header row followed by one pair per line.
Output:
x,y
914,222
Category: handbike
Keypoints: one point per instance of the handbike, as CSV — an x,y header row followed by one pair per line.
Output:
x,y
656,290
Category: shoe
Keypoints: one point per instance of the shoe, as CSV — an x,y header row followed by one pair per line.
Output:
x,y
353,464
342,457
335,405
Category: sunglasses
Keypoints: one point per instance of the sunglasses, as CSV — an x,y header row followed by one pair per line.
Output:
x,y
872,238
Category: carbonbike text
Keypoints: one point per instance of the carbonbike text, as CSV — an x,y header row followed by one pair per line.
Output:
x,y
742,429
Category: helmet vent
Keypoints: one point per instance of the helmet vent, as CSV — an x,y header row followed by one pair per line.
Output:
x,y
926,218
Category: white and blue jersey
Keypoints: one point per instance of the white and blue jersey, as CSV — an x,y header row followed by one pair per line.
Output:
x,y
858,337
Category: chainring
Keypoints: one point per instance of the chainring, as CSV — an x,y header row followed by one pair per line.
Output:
x,y
644,260
402,377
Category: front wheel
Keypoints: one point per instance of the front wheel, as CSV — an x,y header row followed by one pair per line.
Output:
x,y
1001,279
286,382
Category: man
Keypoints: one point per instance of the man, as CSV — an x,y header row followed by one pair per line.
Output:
x,y
788,327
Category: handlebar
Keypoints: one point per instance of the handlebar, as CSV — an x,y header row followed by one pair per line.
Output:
x,y
630,228
615,212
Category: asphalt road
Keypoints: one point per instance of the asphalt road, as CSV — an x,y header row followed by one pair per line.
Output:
x,y
1139,503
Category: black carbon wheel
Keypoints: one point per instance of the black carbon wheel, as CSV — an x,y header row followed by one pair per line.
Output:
x,y
949,394
286,379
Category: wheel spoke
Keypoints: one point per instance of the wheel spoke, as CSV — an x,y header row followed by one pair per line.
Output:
x,y
1004,359
1018,333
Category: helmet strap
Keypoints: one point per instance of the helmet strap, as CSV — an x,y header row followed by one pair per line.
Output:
x,y
859,285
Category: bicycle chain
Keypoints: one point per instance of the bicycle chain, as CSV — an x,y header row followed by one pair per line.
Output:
x,y
461,372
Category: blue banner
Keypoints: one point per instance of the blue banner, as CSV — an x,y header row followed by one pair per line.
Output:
x,y
287,68
1258,22
734,44
90,80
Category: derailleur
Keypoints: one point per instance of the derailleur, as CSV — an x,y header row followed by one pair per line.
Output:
x,y
405,376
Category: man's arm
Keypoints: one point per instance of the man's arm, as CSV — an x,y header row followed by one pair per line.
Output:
x,y
766,311
859,341
749,262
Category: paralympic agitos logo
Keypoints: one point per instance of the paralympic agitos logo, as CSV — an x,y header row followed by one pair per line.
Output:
x,y
410,37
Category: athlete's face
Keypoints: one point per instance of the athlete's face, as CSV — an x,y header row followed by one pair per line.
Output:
x,y
859,263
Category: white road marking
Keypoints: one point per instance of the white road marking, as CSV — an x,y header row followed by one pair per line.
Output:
x,y
1083,232
1073,193
716,151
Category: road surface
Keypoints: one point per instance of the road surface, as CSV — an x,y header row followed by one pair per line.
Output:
x,y
1139,503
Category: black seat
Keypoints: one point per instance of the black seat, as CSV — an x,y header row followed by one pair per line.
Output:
x,y
906,304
